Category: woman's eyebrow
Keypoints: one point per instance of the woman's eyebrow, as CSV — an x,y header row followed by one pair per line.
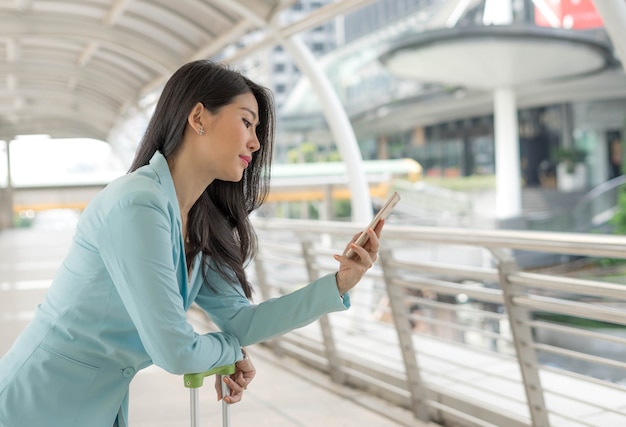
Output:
x,y
250,111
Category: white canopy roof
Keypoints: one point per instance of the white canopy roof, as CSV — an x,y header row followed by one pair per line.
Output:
x,y
73,68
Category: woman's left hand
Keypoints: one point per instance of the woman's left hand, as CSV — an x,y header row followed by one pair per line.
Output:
x,y
352,270
237,382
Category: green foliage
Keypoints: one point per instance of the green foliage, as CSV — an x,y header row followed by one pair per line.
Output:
x,y
333,156
20,221
575,321
571,156
308,152
313,211
343,209
618,221
610,262
463,183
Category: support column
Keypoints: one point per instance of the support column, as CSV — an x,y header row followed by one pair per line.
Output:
x,y
339,125
508,174
498,12
345,139
6,195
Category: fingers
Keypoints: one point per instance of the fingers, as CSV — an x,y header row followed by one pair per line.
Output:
x,y
239,381
364,257
245,372
371,247
379,227
236,390
361,259
373,243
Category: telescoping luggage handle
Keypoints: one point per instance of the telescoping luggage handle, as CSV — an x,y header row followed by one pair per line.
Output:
x,y
194,381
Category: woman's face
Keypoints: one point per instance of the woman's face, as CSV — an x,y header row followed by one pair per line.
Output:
x,y
230,138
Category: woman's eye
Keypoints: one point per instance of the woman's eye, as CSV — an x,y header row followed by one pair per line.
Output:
x,y
247,123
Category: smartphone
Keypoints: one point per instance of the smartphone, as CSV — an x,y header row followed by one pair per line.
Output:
x,y
382,214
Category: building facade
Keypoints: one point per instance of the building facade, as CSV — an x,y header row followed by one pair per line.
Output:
x,y
449,128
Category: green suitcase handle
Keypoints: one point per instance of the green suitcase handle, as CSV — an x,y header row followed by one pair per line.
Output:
x,y
196,380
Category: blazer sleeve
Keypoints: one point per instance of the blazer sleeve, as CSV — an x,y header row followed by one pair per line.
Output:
x,y
229,309
136,245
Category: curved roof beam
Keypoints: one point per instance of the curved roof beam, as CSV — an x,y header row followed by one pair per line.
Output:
x,y
206,51
255,15
144,50
51,97
35,101
339,124
124,49
256,12
314,19
111,83
44,93
335,113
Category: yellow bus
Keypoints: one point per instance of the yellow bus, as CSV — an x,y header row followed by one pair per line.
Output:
x,y
320,181
303,182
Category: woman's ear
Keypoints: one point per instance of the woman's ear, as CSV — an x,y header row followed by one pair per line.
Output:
x,y
195,118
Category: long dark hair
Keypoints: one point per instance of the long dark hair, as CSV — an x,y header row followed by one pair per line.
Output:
x,y
218,224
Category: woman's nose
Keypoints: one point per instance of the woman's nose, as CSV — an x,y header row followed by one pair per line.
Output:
x,y
254,143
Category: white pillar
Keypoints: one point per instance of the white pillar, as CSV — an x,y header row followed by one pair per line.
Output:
x,y
6,214
498,12
508,173
345,139
339,124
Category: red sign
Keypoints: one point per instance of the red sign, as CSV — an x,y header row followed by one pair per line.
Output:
x,y
570,14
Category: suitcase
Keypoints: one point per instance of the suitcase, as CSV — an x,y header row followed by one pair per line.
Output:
x,y
194,381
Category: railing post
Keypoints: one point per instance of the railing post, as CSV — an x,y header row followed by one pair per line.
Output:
x,y
6,194
334,361
522,338
261,278
402,322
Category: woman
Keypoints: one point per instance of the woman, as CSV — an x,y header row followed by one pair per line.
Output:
x,y
173,231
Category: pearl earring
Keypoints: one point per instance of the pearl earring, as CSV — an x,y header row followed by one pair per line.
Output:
x,y
201,130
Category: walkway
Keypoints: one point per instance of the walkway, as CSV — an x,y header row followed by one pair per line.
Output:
x,y
284,393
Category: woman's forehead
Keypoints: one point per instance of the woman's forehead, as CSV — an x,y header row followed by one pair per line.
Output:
x,y
247,102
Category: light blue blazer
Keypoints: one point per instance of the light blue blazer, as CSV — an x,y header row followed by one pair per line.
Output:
x,y
118,304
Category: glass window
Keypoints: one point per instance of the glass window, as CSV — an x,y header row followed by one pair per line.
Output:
x,y
483,155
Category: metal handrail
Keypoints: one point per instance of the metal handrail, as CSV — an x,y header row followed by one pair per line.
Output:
x,y
476,326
